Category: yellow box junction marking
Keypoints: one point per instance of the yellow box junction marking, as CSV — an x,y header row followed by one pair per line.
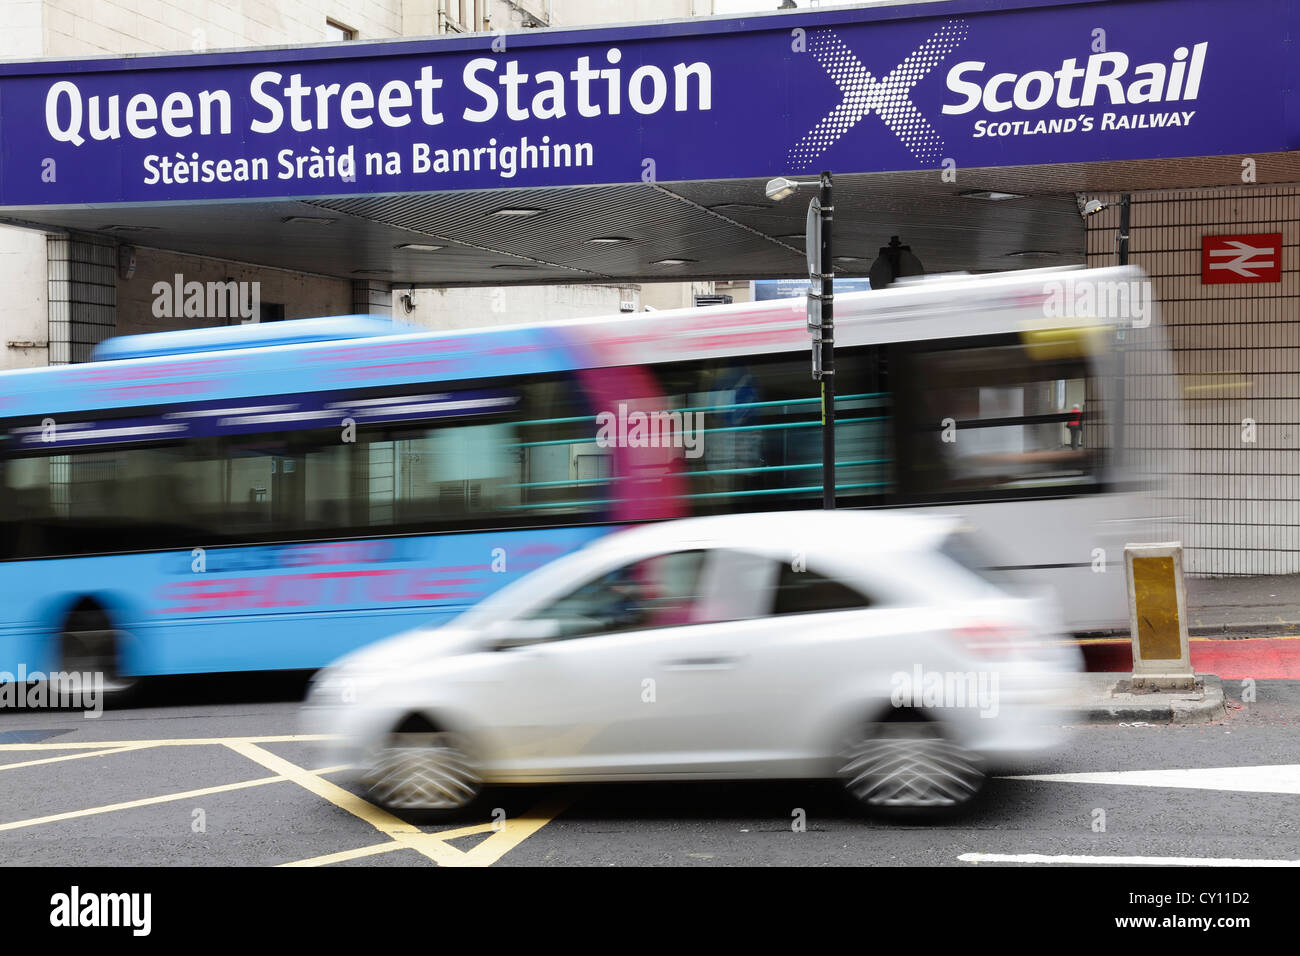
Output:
x,y
401,835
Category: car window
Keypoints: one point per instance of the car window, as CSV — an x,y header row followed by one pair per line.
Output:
x,y
806,591
661,591
737,586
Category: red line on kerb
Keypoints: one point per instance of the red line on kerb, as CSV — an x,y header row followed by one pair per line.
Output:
x,y
1258,658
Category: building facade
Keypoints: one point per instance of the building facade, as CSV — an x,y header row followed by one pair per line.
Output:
x,y
69,291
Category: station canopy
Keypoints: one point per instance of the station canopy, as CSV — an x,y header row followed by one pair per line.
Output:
x,y
640,153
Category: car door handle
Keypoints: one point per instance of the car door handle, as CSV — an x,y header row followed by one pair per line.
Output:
x,y
716,662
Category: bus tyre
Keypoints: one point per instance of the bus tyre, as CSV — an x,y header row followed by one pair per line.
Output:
x,y
90,644
907,766
424,774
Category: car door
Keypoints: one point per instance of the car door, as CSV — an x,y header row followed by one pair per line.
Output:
x,y
588,701
793,638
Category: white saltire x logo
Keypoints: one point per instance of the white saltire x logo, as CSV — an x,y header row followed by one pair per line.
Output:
x,y
890,97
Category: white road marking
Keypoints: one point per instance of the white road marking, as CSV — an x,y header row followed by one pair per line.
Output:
x,y
1117,860
1276,778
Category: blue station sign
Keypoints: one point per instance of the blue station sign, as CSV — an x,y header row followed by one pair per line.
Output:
x,y
945,85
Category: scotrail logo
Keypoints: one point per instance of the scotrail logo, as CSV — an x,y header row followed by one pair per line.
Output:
x,y
889,98
1087,84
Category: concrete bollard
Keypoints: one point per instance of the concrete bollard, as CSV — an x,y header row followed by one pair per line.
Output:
x,y
1157,607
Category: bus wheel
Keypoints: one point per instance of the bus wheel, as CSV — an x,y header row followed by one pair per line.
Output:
x,y
907,766
425,772
90,644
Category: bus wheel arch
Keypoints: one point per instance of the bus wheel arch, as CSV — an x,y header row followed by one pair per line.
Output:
x,y
90,639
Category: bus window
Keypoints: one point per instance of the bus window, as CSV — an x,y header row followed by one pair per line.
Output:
x,y
761,447
534,463
996,418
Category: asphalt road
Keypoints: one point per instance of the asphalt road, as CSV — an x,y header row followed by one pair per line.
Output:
x,y
209,773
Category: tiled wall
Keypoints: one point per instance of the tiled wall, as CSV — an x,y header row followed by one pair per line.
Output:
x,y
1235,350
82,298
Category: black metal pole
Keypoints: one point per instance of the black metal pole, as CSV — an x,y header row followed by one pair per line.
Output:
x,y
828,347
1124,215
1121,356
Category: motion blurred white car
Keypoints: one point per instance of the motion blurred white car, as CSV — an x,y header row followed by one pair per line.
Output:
x,y
861,645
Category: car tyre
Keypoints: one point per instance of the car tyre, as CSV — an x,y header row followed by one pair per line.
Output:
x,y
909,767
423,774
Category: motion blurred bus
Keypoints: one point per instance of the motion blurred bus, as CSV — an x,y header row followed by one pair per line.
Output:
x,y
268,497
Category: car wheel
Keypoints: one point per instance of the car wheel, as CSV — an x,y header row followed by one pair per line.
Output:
x,y
423,772
909,767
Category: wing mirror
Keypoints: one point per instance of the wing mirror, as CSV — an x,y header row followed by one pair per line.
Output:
x,y
504,635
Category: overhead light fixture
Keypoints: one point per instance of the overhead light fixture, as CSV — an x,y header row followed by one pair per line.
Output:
x,y
516,211
309,220
671,262
419,247
850,259
610,240
1033,254
989,194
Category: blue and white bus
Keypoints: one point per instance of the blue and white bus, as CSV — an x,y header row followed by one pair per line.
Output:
x,y
268,497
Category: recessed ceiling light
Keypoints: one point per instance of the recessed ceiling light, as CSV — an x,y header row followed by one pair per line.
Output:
x,y
122,227
309,220
516,211
610,240
420,247
989,194
850,259
671,262
1033,254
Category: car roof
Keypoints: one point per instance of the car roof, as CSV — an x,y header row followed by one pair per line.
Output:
x,y
846,531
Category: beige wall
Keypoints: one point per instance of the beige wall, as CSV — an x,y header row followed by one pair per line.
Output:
x,y
1236,355
89,27
516,305
303,296
673,295
23,315
579,12
22,33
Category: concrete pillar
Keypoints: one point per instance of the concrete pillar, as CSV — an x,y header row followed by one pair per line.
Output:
x,y
372,298
82,302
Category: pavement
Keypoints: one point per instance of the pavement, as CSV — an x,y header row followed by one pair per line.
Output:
x,y
1239,628
1239,606
1106,698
